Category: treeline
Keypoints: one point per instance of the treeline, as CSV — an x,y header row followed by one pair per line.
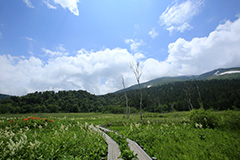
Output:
x,y
215,94
3,96
49,101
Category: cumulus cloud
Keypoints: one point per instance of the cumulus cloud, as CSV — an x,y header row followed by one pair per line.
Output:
x,y
178,16
28,3
100,72
153,33
219,49
15,73
134,44
97,72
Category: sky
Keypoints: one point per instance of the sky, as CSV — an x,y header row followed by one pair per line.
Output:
x,y
90,44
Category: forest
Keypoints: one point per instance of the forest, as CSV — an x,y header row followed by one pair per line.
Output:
x,y
178,96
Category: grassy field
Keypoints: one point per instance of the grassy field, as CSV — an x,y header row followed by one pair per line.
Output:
x,y
178,135
58,137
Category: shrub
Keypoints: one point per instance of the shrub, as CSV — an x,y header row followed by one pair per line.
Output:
x,y
203,118
230,120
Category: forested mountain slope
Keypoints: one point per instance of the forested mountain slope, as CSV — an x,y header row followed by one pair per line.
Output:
x,y
4,96
222,73
216,94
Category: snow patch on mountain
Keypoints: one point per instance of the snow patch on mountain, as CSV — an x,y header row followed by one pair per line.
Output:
x,y
216,73
149,86
227,72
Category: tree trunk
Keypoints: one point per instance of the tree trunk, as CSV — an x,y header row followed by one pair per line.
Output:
x,y
200,98
188,95
140,88
137,71
190,103
125,93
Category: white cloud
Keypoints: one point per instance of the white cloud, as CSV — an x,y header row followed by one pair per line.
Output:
x,y
153,33
178,16
30,39
59,51
15,73
219,49
100,72
69,4
49,5
134,44
28,3
0,34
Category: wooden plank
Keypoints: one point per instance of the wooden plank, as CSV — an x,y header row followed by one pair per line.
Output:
x,y
113,148
141,154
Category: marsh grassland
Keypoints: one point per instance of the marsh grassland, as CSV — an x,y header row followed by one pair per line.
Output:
x,y
179,135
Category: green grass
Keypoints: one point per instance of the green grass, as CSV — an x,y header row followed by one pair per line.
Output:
x,y
165,136
175,141
58,138
121,140
175,136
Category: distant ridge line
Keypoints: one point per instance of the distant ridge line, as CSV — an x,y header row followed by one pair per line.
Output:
x,y
205,76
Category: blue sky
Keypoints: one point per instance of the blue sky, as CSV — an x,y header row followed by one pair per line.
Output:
x,y
88,44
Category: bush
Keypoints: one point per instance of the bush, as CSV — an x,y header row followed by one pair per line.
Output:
x,y
230,120
203,119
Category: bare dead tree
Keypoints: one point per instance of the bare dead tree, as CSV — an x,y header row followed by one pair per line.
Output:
x,y
199,95
188,95
126,98
138,73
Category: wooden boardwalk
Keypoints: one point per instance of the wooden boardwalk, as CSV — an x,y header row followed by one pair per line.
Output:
x,y
141,154
113,148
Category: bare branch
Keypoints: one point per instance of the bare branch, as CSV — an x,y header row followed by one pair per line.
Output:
x,y
136,70
138,73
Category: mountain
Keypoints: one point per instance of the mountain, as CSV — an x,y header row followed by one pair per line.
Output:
x,y
159,81
221,73
215,94
4,96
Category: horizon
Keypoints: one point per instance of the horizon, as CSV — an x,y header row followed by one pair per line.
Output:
x,y
143,83
88,44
